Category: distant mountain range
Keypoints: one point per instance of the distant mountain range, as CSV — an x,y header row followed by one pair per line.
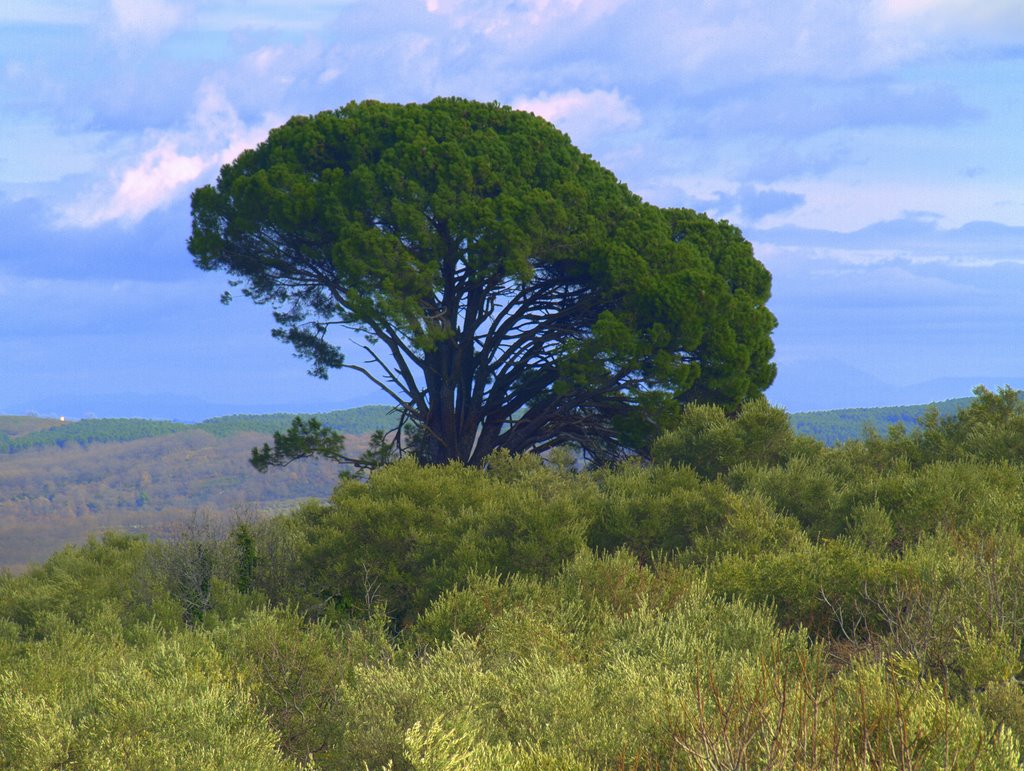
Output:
x,y
24,432
62,480
821,385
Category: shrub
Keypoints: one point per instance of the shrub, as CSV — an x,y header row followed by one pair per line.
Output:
x,y
411,532
823,587
75,583
565,674
654,509
295,672
712,443
803,488
89,697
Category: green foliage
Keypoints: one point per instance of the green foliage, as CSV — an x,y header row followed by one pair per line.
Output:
x,y
711,443
33,733
802,488
560,675
654,509
750,526
511,293
990,428
411,532
308,439
849,607
304,439
832,427
986,425
75,585
296,673
556,676
982,497
272,563
245,560
87,698
358,420
820,586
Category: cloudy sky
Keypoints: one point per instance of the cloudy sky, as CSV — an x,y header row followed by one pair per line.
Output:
x,y
873,151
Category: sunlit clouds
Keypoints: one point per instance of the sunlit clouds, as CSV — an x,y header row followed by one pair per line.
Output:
x,y
581,114
870,150
172,163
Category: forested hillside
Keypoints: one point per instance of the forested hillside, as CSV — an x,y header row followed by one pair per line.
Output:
x,y
834,426
749,599
60,481
22,433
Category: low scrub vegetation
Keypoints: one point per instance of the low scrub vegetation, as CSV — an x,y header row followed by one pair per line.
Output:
x,y
749,599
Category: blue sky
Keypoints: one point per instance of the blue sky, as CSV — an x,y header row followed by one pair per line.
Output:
x,y
872,151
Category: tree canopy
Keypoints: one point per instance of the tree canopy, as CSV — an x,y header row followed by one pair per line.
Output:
x,y
509,291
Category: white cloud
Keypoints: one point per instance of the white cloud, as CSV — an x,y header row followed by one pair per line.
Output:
x,y
170,163
521,19
903,29
149,19
583,114
274,15
147,185
329,75
265,59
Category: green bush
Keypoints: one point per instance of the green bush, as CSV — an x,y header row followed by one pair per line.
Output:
x,y
991,428
79,582
33,732
824,587
563,674
654,509
94,697
411,532
570,672
802,488
751,526
711,443
295,672
779,606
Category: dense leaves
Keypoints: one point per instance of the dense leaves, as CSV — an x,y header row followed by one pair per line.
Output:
x,y
788,606
510,291
303,439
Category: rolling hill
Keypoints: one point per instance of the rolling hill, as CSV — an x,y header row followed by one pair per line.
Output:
x,y
61,481
834,426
